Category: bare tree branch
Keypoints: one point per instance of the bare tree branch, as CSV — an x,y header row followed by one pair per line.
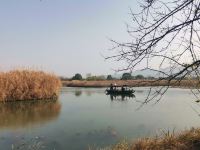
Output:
x,y
163,34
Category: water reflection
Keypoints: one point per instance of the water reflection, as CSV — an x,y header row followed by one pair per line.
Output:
x,y
139,91
109,132
88,93
21,114
82,91
121,97
78,93
98,136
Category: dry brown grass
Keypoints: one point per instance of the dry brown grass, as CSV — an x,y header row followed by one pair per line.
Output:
x,y
186,140
28,85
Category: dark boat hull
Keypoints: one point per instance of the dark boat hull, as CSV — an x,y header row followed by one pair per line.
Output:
x,y
119,92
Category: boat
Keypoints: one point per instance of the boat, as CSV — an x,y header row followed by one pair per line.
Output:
x,y
120,90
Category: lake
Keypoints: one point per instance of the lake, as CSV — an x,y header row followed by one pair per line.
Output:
x,y
84,117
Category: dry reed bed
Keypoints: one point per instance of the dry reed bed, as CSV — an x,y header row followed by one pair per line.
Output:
x,y
133,83
186,140
28,85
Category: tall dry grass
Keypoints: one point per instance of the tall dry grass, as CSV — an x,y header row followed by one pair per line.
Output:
x,y
28,85
185,140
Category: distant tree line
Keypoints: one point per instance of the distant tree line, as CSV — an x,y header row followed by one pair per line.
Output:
x,y
129,76
125,76
96,78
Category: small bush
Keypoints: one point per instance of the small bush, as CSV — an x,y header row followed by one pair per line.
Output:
x,y
95,78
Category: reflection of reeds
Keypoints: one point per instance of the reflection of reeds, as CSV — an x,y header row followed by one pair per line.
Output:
x,y
28,85
20,114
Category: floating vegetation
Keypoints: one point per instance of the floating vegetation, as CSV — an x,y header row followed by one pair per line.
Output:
x,y
28,85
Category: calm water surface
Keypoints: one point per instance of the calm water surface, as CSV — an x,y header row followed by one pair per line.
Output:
x,y
84,117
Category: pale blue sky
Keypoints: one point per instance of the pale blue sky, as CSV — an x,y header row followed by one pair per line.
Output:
x,y
61,36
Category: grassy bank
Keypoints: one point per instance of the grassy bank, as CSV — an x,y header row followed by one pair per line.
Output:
x,y
28,85
186,140
132,83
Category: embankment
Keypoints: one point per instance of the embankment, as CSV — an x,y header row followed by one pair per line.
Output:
x,y
131,83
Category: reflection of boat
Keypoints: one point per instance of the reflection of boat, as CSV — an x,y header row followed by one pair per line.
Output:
x,y
120,90
121,97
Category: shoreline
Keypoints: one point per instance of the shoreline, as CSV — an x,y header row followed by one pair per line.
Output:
x,y
182,140
185,84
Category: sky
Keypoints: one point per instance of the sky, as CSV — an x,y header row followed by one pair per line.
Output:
x,y
62,36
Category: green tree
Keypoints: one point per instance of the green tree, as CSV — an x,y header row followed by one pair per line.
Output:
x,y
109,77
126,76
139,76
77,77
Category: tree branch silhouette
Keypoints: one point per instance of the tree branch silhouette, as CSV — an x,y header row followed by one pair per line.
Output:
x,y
165,33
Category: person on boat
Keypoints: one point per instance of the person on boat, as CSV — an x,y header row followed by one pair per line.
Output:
x,y
115,86
123,89
111,86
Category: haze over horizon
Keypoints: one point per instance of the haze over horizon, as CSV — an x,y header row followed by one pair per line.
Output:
x,y
65,36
